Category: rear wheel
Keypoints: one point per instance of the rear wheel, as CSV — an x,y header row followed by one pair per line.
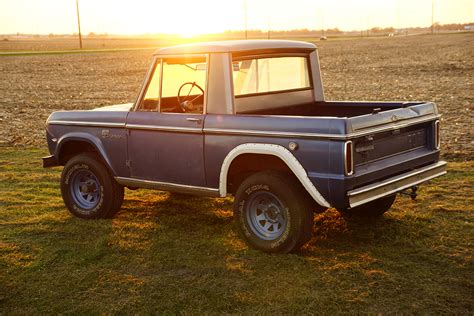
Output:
x,y
88,189
372,209
273,213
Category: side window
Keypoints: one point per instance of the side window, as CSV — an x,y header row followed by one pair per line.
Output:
x,y
184,81
261,75
182,88
151,100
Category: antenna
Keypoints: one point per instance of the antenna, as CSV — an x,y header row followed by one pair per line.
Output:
x,y
79,24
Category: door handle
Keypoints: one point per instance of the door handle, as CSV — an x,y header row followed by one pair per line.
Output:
x,y
194,119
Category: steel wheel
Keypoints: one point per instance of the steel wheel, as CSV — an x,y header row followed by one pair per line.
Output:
x,y
266,215
88,189
85,189
272,212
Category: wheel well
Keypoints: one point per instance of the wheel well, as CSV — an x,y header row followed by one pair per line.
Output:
x,y
73,148
247,164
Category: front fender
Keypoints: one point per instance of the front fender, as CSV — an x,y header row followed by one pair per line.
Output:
x,y
92,140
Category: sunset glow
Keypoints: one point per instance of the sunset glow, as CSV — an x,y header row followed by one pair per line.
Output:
x,y
189,18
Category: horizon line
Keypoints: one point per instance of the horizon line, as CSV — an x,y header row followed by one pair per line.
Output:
x,y
263,31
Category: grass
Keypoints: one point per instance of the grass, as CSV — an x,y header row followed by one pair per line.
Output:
x,y
164,253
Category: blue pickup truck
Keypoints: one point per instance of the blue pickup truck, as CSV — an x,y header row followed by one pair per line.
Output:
x,y
248,119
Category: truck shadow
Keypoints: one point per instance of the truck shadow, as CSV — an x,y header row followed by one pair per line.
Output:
x,y
330,230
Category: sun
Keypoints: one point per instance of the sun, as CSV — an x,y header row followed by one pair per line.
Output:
x,y
187,34
188,19
190,29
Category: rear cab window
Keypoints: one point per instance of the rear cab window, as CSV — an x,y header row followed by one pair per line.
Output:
x,y
270,74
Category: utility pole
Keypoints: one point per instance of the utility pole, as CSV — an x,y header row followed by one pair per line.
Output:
x,y
398,17
268,26
432,16
322,22
79,24
368,27
245,18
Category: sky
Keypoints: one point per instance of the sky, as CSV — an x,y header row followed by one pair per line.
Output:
x,y
193,17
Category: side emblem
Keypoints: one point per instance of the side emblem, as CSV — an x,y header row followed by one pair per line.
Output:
x,y
106,134
394,118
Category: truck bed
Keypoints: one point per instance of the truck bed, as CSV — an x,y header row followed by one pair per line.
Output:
x,y
334,108
389,139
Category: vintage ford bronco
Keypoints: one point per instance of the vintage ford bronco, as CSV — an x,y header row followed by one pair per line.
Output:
x,y
246,118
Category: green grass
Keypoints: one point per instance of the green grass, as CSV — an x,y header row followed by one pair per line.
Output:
x,y
163,253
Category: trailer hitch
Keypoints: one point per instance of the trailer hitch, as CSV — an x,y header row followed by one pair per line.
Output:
x,y
412,194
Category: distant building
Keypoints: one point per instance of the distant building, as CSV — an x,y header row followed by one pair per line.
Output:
x,y
469,27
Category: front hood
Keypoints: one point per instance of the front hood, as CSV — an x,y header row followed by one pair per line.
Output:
x,y
113,115
118,107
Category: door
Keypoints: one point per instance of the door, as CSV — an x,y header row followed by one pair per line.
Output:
x,y
165,129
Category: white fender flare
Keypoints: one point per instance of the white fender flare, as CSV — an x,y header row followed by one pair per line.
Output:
x,y
274,150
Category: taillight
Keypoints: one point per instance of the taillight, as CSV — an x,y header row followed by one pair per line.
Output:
x,y
348,158
437,140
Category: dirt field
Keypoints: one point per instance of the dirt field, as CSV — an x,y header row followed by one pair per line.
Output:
x,y
437,68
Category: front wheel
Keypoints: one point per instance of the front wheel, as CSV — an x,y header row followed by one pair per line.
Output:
x,y
88,189
272,212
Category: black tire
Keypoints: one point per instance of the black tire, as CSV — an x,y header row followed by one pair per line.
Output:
x,y
118,199
372,209
275,199
88,189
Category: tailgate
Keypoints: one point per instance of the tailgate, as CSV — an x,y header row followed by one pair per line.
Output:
x,y
393,132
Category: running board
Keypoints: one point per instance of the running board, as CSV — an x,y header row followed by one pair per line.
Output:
x,y
165,186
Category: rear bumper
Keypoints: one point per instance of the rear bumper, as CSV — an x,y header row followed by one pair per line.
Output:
x,y
395,184
50,161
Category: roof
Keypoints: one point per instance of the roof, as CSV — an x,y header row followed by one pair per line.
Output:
x,y
235,46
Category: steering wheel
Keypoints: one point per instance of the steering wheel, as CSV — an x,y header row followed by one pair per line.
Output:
x,y
186,103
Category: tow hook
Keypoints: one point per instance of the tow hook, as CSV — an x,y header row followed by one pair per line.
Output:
x,y
411,193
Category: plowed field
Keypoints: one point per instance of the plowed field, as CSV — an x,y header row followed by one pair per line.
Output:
x,y
436,68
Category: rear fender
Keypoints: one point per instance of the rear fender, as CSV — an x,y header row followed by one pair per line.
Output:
x,y
275,150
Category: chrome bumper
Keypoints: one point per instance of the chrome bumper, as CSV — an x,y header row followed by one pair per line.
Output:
x,y
395,184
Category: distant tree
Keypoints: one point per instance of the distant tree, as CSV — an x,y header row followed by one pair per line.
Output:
x,y
436,26
334,31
